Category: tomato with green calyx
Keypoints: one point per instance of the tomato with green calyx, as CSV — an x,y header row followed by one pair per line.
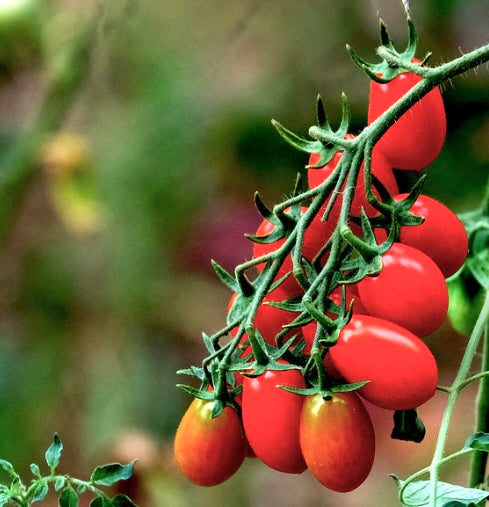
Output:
x,y
337,440
400,369
410,291
417,137
271,418
209,450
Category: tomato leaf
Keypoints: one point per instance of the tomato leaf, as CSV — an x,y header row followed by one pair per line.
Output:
x,y
35,470
68,498
107,475
101,501
479,441
4,499
408,426
53,454
40,491
417,494
479,266
122,501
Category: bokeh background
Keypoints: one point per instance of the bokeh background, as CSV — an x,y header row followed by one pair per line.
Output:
x,y
133,135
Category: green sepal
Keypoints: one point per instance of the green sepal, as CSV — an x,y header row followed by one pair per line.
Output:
x,y
262,208
293,304
298,142
68,498
107,475
478,441
202,394
193,371
225,277
347,388
53,454
309,391
408,426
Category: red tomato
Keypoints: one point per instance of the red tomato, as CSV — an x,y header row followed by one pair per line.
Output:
x,y
380,168
337,440
316,235
401,370
410,291
417,137
441,236
209,450
271,418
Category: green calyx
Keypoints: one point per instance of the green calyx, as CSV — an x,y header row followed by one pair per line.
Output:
x,y
393,62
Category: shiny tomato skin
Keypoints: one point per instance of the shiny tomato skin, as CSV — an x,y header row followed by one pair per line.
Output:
x,y
417,137
271,418
209,450
400,368
441,236
337,440
410,291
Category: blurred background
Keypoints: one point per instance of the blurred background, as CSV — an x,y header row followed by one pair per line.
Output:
x,y
133,135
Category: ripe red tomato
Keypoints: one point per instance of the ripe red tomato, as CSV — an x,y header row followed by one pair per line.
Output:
x,y
401,370
441,236
337,440
380,168
410,291
271,418
209,450
316,235
417,137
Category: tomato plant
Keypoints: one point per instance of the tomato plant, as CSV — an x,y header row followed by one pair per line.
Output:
x,y
410,291
271,418
417,137
209,450
337,440
400,369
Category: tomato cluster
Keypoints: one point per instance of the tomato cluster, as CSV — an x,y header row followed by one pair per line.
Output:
x,y
280,412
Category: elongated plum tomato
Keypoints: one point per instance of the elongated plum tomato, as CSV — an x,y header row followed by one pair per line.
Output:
x,y
209,450
400,368
417,137
410,291
441,236
337,440
271,418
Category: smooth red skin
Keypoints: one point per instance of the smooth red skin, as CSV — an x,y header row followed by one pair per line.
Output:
x,y
337,440
316,235
271,418
400,368
209,451
309,330
441,236
380,168
409,291
417,137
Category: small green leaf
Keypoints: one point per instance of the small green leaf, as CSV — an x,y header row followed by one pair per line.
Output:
x,y
408,426
8,467
479,266
107,475
4,498
122,501
101,501
40,491
35,470
53,454
59,483
479,441
81,489
417,494
68,498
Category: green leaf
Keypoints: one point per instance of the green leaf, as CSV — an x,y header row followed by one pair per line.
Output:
x,y
35,470
53,454
417,493
68,498
8,467
40,491
479,441
408,426
122,501
479,266
101,501
107,475
4,498
59,483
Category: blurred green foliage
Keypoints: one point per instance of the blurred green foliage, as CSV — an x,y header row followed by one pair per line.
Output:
x,y
175,112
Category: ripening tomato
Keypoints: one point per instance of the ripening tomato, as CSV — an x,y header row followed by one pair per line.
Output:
x,y
410,291
337,440
441,236
316,235
380,168
417,137
400,368
209,450
271,418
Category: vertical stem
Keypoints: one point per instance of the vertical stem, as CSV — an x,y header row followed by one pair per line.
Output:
x,y
479,458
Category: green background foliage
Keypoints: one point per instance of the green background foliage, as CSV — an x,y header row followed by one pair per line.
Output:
x,y
174,118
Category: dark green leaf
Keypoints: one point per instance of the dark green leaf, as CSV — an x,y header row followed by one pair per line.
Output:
x,y
122,501
479,266
101,501
408,426
479,441
35,470
40,491
68,498
107,475
53,454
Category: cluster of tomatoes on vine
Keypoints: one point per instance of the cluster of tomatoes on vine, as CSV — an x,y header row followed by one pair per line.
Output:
x,y
290,387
